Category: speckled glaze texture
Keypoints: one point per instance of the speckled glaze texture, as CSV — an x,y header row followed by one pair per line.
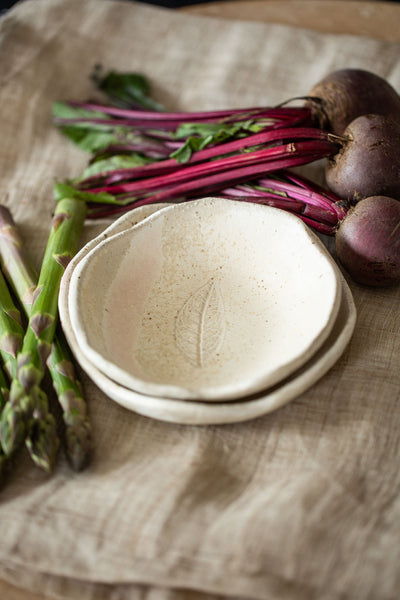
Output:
x,y
207,300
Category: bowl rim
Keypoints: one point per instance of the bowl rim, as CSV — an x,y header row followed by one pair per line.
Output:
x,y
209,394
202,413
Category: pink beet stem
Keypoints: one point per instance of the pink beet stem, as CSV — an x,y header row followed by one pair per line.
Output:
x,y
314,211
199,170
314,196
281,113
217,181
171,164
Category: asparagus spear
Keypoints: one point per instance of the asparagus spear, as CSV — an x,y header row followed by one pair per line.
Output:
x,y
11,330
42,439
11,336
42,442
78,436
26,398
4,391
22,277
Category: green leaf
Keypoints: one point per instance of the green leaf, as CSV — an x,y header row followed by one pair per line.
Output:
x,y
89,137
192,144
90,140
65,190
118,161
126,89
200,135
218,131
63,110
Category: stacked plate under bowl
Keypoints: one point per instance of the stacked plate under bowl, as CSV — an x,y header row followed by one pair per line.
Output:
x,y
209,311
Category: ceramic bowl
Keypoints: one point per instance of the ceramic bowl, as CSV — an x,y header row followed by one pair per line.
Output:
x,y
205,413
209,300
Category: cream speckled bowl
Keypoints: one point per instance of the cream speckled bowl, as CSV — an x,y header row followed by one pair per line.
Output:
x,y
210,300
202,413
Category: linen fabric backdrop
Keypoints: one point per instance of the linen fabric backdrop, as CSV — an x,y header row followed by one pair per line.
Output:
x,y
301,504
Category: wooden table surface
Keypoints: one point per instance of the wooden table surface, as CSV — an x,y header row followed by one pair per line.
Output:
x,y
372,19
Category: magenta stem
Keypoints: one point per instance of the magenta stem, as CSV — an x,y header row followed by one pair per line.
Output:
x,y
194,172
170,165
184,116
313,196
213,183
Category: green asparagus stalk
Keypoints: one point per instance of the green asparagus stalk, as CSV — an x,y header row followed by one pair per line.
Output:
x,y
4,391
78,435
26,399
23,279
11,330
42,440
44,449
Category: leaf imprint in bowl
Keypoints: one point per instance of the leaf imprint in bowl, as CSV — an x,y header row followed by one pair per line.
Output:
x,y
200,324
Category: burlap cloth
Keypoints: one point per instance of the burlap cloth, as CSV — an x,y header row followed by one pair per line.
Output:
x,y
301,504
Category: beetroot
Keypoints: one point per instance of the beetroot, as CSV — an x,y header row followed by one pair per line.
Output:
x,y
368,164
368,241
344,95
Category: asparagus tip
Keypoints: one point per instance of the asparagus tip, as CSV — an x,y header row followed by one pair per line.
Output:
x,y
12,428
43,442
79,444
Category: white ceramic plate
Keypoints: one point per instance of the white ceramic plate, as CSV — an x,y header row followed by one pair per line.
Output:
x,y
209,300
204,413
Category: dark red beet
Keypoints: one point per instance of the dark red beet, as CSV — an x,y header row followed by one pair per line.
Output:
x,y
347,94
368,164
368,241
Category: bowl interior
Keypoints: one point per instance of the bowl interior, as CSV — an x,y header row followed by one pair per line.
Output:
x,y
211,300
213,413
